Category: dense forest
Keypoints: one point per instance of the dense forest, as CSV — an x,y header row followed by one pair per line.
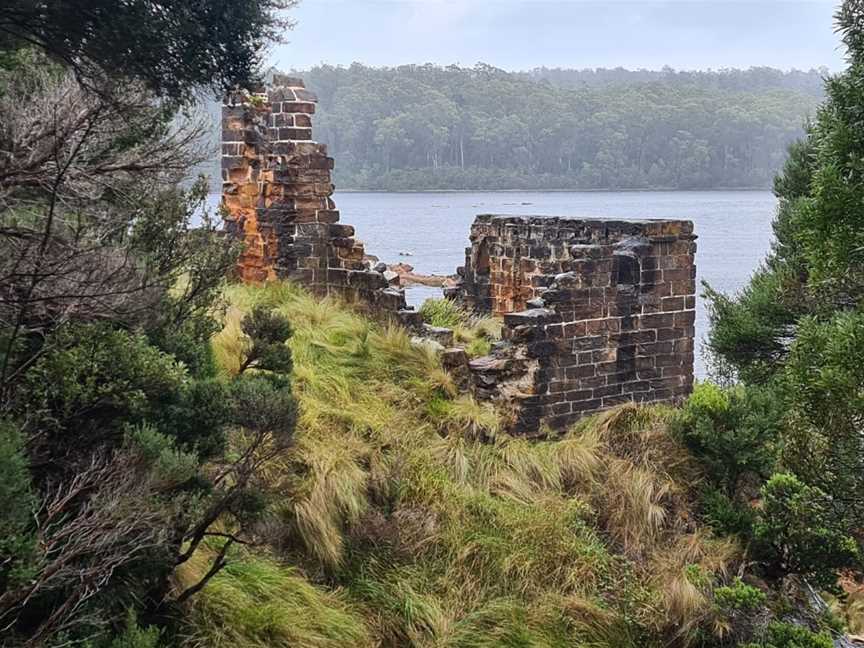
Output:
x,y
420,127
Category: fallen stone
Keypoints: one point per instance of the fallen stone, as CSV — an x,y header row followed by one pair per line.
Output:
x,y
488,364
380,267
410,318
439,334
532,316
427,343
454,357
392,278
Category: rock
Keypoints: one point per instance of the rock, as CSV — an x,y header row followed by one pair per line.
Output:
x,y
455,361
454,357
533,316
392,278
427,343
567,280
488,364
410,318
582,251
380,267
440,334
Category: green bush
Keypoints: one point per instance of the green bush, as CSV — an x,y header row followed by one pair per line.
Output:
x,y
738,597
800,533
94,381
731,431
94,376
134,636
788,635
823,378
267,332
17,542
725,515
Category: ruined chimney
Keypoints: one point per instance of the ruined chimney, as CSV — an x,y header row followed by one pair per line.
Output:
x,y
276,194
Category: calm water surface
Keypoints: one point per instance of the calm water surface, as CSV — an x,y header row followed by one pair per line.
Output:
x,y
734,228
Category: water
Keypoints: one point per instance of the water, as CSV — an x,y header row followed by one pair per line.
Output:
x,y
734,228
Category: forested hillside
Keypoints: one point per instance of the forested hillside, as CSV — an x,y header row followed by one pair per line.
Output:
x,y
428,127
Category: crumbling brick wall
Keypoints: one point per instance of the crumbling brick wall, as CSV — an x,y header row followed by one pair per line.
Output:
x,y
276,192
596,313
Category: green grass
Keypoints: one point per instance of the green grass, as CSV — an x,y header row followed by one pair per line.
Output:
x,y
255,601
473,332
407,517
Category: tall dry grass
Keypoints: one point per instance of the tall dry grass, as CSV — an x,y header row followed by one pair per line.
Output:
x,y
407,502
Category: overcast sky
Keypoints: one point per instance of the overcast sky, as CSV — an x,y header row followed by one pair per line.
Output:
x,y
523,34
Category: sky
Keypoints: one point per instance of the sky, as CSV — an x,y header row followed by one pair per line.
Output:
x,y
524,34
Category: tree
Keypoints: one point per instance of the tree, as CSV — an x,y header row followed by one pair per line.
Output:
x,y
174,47
92,222
797,331
119,444
426,127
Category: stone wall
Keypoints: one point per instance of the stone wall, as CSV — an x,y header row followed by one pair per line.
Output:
x,y
276,193
596,313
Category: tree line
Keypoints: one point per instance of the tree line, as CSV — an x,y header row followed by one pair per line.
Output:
x,y
418,127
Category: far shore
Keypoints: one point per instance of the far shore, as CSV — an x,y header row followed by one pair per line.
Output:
x,y
506,191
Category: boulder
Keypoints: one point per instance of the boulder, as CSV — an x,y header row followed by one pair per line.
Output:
x,y
443,336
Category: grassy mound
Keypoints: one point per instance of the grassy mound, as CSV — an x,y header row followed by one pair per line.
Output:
x,y
405,518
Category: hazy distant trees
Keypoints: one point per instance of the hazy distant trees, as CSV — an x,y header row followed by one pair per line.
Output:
x,y
428,127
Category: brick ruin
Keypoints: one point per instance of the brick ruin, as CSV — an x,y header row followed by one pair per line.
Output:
x,y
276,194
596,313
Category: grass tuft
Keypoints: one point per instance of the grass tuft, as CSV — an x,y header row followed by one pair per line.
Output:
x,y
424,520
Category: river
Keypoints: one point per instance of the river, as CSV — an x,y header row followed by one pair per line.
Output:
x,y
430,230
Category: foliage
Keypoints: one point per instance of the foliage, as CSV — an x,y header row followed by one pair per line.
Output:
x,y
134,636
93,381
124,451
267,333
95,226
726,515
788,635
824,374
738,597
795,334
443,312
17,540
175,50
730,431
803,531
423,127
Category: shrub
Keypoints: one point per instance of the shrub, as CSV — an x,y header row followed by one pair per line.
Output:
x,y
800,533
267,333
726,516
731,431
738,597
17,541
94,381
823,378
788,635
134,636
